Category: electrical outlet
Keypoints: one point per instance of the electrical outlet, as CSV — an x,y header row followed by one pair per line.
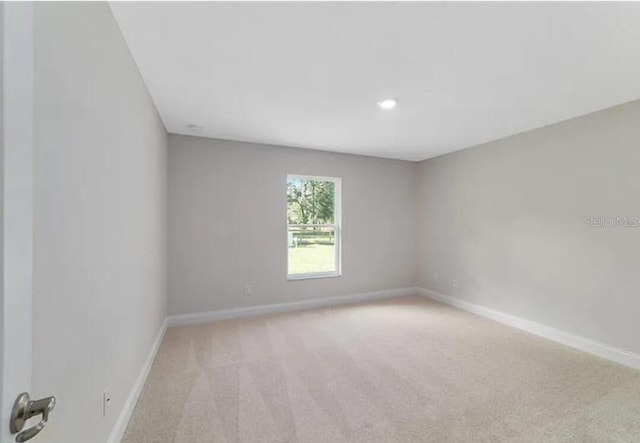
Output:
x,y
247,290
106,402
455,283
435,277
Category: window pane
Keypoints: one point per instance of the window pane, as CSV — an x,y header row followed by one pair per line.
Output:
x,y
310,201
312,250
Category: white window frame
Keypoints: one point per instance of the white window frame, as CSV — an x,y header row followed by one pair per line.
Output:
x,y
337,227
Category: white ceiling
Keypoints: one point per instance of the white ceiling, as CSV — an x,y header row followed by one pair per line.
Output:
x,y
309,74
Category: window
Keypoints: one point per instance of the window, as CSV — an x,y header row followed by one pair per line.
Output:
x,y
313,227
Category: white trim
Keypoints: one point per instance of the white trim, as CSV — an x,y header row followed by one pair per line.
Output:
x,y
16,207
584,344
317,178
251,311
602,350
311,275
125,414
337,226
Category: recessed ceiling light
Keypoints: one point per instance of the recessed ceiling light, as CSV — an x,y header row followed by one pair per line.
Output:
x,y
194,128
388,103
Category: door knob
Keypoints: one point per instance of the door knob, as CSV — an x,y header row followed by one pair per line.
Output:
x,y
23,409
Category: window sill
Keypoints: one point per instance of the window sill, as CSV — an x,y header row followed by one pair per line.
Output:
x,y
312,276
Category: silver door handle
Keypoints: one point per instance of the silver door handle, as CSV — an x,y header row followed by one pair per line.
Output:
x,y
23,409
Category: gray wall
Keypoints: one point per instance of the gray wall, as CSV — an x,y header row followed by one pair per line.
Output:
x,y
506,219
227,223
100,211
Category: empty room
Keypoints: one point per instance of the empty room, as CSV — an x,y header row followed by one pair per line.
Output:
x,y
314,222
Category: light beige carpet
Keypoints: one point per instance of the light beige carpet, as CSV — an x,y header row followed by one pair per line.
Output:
x,y
401,370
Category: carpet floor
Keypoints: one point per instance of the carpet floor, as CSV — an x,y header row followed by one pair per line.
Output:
x,y
401,370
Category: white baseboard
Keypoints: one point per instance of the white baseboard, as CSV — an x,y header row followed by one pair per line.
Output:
x,y
251,311
602,350
125,414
